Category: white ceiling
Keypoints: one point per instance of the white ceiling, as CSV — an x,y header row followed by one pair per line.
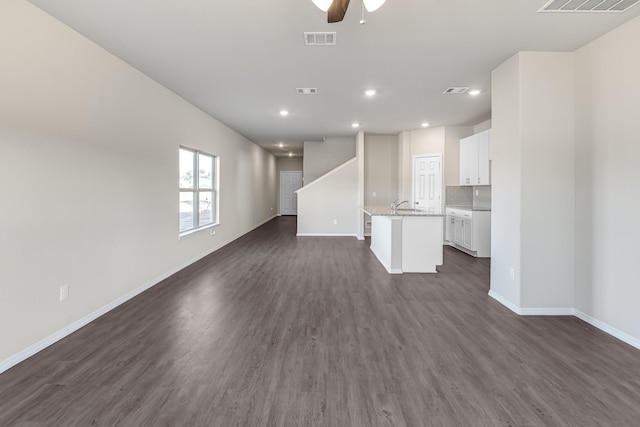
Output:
x,y
241,60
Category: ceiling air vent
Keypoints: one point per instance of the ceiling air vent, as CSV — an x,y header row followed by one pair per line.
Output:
x,y
320,39
588,5
306,90
455,89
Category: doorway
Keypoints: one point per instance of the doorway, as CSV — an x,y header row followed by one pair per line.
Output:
x,y
427,183
290,181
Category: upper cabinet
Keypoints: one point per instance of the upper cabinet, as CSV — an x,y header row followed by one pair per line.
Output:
x,y
475,158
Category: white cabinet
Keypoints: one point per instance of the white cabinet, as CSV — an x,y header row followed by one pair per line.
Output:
x,y
470,231
475,159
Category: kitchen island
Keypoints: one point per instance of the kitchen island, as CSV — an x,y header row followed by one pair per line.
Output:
x,y
406,240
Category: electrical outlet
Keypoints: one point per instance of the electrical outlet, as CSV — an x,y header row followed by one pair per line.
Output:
x,y
374,194
512,273
213,232
64,292
335,221
477,192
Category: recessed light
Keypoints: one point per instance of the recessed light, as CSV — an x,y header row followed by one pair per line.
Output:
x,y
290,154
370,92
425,125
355,125
474,92
281,145
284,113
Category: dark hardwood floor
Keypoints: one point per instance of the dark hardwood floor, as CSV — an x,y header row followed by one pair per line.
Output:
x,y
285,331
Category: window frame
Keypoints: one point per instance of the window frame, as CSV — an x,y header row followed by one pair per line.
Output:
x,y
196,190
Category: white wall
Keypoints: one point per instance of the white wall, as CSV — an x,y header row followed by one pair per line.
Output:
x,y
88,177
285,164
607,100
565,173
381,169
547,180
506,182
321,157
332,198
480,127
533,181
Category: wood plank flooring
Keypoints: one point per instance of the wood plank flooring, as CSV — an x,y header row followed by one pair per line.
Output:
x,y
274,330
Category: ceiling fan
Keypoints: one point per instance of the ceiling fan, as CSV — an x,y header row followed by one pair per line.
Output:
x,y
336,9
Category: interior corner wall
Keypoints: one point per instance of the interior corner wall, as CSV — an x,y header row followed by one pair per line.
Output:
x,y
607,99
88,177
321,157
285,164
506,183
533,239
547,171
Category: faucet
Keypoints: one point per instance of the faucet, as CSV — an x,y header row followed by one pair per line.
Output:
x,y
396,204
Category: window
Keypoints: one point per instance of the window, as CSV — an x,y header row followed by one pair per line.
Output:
x,y
198,190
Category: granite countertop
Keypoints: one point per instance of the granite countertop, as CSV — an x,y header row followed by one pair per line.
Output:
x,y
469,208
387,211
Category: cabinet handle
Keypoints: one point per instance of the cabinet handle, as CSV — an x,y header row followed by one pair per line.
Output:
x,y
478,180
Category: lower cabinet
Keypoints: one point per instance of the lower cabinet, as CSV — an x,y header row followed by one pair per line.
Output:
x,y
469,230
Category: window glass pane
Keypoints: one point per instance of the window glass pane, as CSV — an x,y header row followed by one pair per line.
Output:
x,y
187,212
207,208
205,164
186,168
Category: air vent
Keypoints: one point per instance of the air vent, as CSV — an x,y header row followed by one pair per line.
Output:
x,y
588,5
457,89
306,90
320,39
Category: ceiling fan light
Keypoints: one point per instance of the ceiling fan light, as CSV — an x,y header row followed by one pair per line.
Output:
x,y
371,5
323,5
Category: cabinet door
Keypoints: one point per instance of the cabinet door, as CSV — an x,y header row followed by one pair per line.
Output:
x,y
465,154
458,231
467,236
484,147
450,227
473,161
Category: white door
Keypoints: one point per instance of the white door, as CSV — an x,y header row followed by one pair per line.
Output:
x,y
427,183
290,181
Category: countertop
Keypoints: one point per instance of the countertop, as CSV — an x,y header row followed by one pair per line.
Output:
x,y
469,208
386,211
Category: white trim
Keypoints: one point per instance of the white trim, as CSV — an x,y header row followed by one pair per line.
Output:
x,y
69,329
546,311
326,235
502,300
617,333
331,172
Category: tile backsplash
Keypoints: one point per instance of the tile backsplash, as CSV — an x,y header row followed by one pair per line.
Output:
x,y
478,197
459,196
482,197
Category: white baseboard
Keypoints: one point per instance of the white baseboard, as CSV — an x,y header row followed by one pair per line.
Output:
x,y
502,300
622,336
327,235
617,333
560,311
69,329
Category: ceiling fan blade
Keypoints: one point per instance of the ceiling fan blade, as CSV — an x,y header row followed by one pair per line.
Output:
x,y
337,10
